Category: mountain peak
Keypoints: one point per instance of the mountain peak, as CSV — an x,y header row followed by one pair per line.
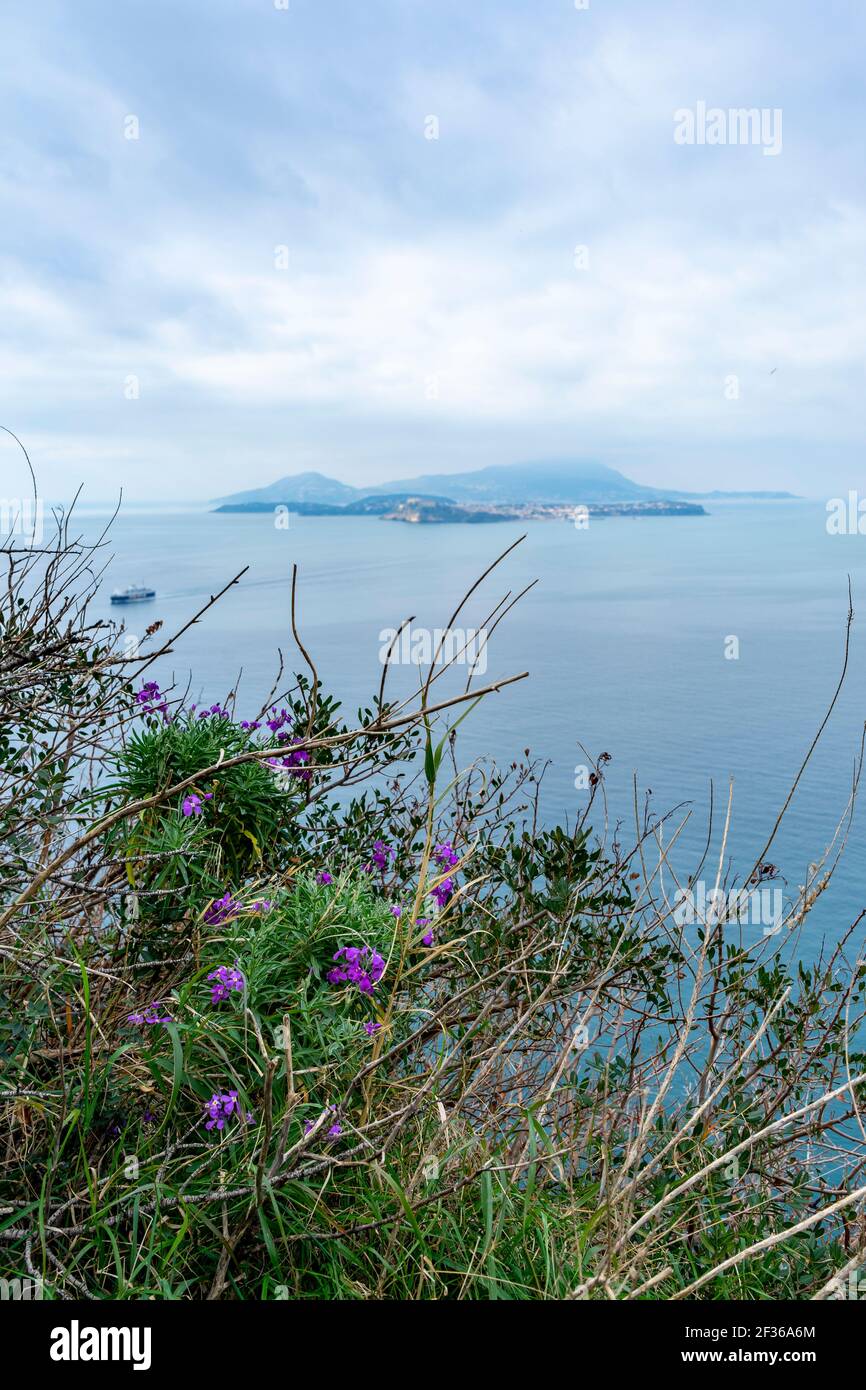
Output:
x,y
298,487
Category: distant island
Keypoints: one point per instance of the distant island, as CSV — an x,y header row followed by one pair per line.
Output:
x,y
443,510
544,490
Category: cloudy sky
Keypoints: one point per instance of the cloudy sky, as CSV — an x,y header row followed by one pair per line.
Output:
x,y
285,270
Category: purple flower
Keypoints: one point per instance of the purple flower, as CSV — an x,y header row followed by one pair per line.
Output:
x,y
336,1128
382,855
225,980
219,1108
324,877
151,1014
444,855
226,907
192,803
371,1028
443,891
152,700
250,724
427,938
396,911
278,719
357,965
293,764
221,909
215,712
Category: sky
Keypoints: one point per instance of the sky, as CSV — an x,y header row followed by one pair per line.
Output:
x,y
244,238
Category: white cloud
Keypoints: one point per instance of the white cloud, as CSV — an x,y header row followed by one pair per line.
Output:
x,y
431,288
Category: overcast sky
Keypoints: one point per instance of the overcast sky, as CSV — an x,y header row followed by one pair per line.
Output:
x,y
283,271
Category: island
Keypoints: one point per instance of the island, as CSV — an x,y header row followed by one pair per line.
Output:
x,y
441,511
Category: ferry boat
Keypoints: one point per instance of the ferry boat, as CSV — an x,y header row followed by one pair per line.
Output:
x,y
135,593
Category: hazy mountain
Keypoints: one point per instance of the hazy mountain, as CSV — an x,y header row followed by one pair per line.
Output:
x,y
301,487
546,480
550,480
559,480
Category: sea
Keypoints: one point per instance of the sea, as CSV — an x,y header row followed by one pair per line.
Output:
x,y
700,653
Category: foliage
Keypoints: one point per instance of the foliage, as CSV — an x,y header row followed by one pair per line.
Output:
x,y
289,1014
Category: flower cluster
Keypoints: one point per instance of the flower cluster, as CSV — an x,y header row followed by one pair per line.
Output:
x,y
443,892
151,1014
226,907
297,758
215,712
220,1107
293,763
192,803
225,978
152,700
222,909
382,856
444,854
357,965
250,725
447,858
278,719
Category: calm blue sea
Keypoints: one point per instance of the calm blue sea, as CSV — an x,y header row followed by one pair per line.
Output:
x,y
624,637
